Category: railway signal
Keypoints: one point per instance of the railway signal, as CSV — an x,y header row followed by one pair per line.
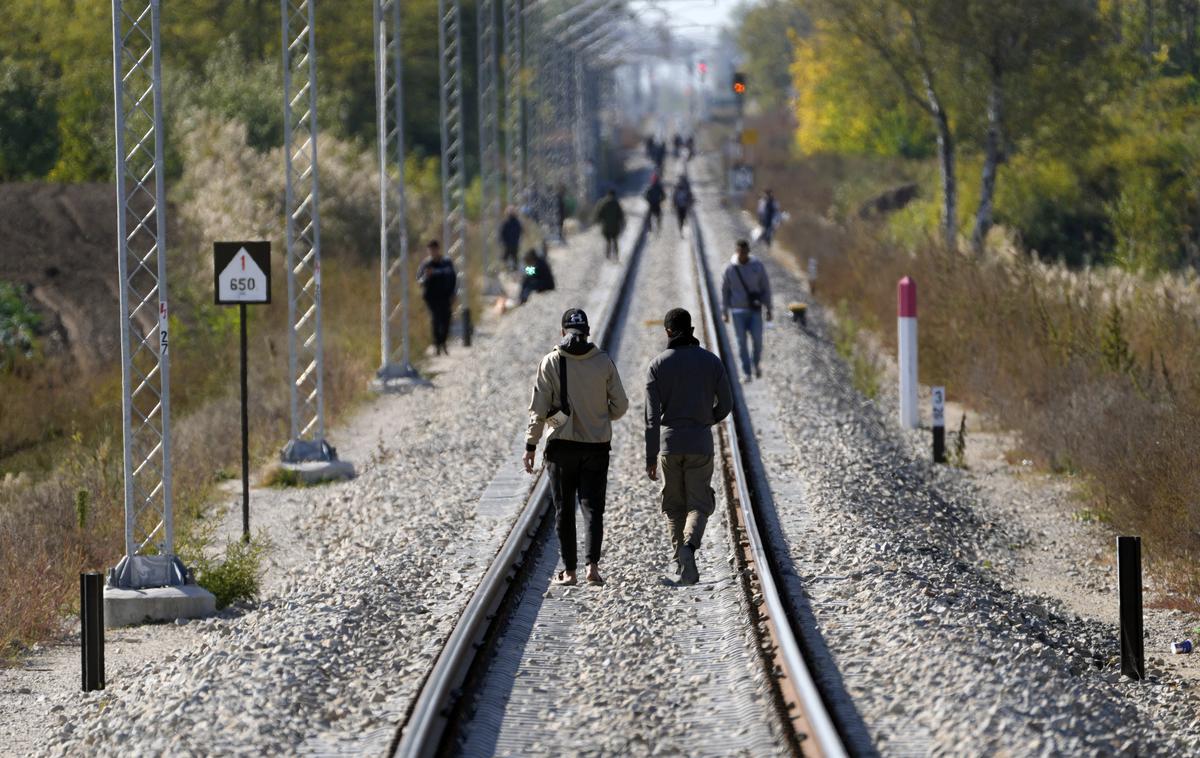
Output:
x,y
739,84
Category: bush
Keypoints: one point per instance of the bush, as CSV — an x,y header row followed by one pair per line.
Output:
x,y
236,578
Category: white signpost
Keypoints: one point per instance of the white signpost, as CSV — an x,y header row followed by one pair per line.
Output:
x,y
242,275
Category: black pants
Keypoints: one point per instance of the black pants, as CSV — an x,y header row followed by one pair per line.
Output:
x,y
510,257
656,216
611,250
584,475
440,312
681,213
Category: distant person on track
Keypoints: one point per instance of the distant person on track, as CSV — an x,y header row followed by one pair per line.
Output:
x,y
578,393
683,200
768,216
611,218
537,276
655,195
439,287
660,156
560,211
510,237
746,293
687,392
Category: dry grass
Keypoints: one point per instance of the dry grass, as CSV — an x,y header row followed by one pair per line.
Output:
x,y
63,429
1096,369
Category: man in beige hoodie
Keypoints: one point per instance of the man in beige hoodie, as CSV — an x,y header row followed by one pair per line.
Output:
x,y
578,393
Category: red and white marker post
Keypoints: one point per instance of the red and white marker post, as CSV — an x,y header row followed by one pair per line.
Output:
x,y
907,326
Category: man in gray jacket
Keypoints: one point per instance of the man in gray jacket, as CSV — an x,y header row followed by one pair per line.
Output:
x,y
746,292
687,392
577,392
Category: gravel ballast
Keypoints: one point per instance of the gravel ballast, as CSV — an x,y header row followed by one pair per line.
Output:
x,y
939,653
332,656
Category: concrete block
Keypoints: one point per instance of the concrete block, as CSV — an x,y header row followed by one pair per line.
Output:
x,y
398,385
129,607
315,472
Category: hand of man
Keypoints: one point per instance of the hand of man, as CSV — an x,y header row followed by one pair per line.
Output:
x,y
770,316
527,459
652,472
725,317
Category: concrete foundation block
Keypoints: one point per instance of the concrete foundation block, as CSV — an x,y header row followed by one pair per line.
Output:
x,y
129,607
315,472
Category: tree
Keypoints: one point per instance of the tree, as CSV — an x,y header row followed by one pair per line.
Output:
x,y
765,37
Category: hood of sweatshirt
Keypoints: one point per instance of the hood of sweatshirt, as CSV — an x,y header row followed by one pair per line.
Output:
x,y
683,340
576,346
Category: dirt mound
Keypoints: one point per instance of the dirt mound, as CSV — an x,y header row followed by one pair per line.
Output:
x,y
58,242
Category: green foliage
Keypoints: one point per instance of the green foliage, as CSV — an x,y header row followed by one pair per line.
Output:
x,y
765,35
238,576
18,326
82,500
1114,346
248,93
865,371
28,122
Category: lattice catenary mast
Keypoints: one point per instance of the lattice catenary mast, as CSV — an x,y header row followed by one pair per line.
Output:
x,y
514,102
303,224
142,264
489,128
395,360
454,220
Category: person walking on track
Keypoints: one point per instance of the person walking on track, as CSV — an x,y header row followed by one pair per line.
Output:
x,y
439,287
687,392
655,195
510,237
578,393
611,218
768,216
746,292
683,200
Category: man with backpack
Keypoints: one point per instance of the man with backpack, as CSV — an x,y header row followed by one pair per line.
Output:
x,y
578,393
745,293
768,216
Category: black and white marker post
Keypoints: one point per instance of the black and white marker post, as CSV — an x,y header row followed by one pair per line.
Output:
x,y
938,397
242,274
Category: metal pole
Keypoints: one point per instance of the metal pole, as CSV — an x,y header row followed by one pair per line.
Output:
x,y
393,223
245,429
303,231
91,630
1129,581
142,267
454,223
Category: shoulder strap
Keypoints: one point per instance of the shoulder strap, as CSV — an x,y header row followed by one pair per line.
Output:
x,y
737,270
565,398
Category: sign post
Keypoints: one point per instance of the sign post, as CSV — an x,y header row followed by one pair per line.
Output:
x,y
907,328
242,274
939,424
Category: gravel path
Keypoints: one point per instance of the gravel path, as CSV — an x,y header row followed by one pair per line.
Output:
x,y
940,653
637,666
370,577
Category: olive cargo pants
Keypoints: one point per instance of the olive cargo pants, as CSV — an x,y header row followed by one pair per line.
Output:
x,y
688,499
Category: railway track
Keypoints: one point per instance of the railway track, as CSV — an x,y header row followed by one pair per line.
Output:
x,y
452,697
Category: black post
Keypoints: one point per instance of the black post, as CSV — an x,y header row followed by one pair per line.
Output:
x,y
245,435
1129,579
939,444
91,622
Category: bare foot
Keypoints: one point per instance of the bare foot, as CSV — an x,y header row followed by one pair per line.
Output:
x,y
565,577
593,574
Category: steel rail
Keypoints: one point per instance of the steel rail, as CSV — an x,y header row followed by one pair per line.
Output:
x,y
824,732
422,733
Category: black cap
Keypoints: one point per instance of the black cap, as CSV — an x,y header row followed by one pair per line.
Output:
x,y
678,321
575,320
